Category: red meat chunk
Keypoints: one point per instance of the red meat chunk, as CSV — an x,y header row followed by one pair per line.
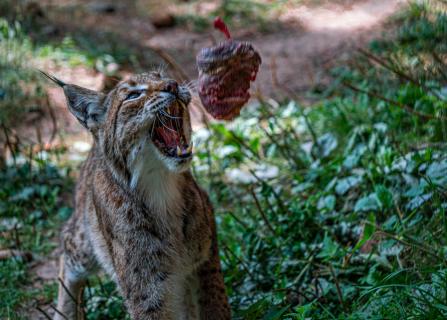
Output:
x,y
225,73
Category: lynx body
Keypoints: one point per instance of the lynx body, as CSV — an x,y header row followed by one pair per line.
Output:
x,y
139,214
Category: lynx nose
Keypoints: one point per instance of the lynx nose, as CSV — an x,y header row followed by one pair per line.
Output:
x,y
171,86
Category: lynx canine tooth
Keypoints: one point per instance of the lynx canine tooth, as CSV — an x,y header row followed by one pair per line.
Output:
x,y
179,151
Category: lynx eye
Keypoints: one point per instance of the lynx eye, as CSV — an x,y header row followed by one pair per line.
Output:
x,y
134,95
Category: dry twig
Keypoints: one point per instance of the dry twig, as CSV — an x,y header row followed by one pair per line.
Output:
x,y
396,103
261,211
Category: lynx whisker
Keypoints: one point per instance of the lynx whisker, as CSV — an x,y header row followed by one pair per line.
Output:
x,y
162,67
164,124
191,85
152,130
168,115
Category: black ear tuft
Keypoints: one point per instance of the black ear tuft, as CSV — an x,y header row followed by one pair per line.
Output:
x,y
54,79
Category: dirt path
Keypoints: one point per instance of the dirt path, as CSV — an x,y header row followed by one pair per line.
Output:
x,y
310,39
329,33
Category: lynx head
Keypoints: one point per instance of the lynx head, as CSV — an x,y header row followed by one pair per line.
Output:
x,y
143,121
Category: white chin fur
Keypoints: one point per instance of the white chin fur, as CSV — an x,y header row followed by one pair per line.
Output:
x,y
145,158
154,175
173,164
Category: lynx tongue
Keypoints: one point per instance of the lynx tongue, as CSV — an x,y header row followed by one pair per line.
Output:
x,y
171,138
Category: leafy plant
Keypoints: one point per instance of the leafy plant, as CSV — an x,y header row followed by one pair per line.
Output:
x,y
338,211
31,212
17,98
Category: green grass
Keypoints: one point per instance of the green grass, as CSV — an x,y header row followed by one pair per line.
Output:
x,y
333,211
237,14
31,212
16,64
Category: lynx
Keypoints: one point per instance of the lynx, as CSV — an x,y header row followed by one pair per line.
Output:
x,y
139,214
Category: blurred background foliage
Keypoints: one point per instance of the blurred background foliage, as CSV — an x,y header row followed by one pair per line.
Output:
x,y
334,209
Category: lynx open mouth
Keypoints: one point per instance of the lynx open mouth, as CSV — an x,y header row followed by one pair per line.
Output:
x,y
171,131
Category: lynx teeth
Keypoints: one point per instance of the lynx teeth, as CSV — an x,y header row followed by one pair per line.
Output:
x,y
189,149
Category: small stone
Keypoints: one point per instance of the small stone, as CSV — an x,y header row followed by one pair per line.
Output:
x,y
81,146
102,7
163,20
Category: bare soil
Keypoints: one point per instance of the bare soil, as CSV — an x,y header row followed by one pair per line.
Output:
x,y
307,40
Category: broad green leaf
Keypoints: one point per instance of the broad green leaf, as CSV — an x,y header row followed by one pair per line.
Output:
x,y
368,203
368,230
343,185
327,202
437,172
384,195
326,144
275,313
418,201
329,249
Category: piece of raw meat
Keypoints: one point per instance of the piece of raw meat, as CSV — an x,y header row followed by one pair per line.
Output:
x,y
225,73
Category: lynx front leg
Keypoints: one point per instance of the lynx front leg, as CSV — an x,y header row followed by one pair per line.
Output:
x,y
145,276
213,298
71,285
146,300
76,262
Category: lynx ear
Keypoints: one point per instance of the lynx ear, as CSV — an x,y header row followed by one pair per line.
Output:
x,y
86,105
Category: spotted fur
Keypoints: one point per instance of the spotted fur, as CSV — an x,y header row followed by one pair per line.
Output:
x,y
139,214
